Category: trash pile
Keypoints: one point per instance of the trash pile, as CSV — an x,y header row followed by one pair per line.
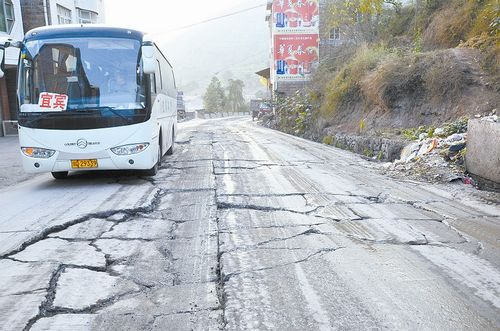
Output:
x,y
438,154
493,117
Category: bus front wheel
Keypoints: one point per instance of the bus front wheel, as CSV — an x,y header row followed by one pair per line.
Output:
x,y
60,175
153,171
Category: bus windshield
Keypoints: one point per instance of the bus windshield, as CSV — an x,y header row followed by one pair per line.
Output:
x,y
81,77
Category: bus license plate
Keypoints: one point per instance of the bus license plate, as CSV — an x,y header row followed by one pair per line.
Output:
x,y
83,164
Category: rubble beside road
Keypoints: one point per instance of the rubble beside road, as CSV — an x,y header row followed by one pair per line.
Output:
x,y
427,153
437,154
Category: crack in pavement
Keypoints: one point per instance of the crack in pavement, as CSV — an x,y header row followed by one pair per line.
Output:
x,y
229,205
263,195
221,294
49,298
284,226
445,219
318,253
182,312
46,308
311,231
393,241
216,160
41,289
44,234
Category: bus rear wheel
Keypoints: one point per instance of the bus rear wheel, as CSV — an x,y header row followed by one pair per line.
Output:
x,y
60,175
170,151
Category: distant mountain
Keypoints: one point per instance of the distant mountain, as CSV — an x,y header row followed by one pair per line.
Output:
x,y
232,47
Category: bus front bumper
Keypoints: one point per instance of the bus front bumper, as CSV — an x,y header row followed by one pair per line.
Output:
x,y
60,162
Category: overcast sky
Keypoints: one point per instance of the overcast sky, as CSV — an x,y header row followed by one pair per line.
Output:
x,y
162,16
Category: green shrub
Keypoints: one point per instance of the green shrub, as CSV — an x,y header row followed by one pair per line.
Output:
x,y
380,155
362,125
328,140
368,152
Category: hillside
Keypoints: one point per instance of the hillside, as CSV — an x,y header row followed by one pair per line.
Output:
x,y
402,68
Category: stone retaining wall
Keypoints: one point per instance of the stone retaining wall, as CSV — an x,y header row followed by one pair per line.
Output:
x,y
382,149
483,150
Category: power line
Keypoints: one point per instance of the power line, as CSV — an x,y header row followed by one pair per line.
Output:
x,y
215,18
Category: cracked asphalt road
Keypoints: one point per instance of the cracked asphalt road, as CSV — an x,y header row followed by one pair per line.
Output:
x,y
246,228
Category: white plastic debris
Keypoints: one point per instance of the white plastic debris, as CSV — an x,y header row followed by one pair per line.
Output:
x,y
492,118
410,152
439,132
455,138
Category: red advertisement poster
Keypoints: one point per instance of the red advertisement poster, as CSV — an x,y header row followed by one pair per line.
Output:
x,y
295,15
294,55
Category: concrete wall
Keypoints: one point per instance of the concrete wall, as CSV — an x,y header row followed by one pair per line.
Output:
x,y
33,14
92,5
289,88
17,33
483,150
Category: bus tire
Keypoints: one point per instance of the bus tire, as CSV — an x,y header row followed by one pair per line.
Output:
x,y
153,171
170,151
60,174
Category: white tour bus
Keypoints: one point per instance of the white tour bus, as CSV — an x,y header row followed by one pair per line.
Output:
x,y
93,98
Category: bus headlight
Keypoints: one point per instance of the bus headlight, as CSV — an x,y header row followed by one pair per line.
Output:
x,y
129,149
38,153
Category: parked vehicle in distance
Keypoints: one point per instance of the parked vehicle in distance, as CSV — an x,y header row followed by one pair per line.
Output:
x,y
254,108
94,98
264,109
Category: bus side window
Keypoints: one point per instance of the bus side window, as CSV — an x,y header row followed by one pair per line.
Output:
x,y
169,82
153,84
173,87
159,83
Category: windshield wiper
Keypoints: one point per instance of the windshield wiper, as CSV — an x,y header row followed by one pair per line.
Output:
x,y
108,108
37,118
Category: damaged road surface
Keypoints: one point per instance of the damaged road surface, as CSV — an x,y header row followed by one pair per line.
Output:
x,y
246,228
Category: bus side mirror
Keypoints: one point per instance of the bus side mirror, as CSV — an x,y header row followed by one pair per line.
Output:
x,y
2,60
148,58
5,43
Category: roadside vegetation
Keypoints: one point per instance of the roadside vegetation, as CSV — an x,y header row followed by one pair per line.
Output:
x,y
218,99
400,67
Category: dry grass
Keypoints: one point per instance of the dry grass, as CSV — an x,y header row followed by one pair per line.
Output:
x,y
395,77
488,13
449,26
437,75
400,78
346,81
445,76
460,20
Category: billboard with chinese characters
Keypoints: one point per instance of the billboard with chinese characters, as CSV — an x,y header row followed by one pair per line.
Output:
x,y
295,16
295,37
294,56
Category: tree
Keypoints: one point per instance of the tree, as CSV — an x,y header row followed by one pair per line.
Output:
x,y
214,97
235,101
357,19
375,6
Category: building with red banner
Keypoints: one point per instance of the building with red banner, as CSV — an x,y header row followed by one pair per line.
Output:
x,y
298,39
294,26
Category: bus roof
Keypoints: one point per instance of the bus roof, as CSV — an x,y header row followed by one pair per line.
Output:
x,y
82,30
